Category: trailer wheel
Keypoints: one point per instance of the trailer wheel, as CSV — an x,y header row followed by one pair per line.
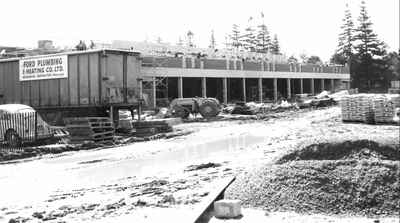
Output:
x,y
208,109
12,138
180,111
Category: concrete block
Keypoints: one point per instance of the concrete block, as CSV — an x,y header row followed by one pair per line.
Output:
x,y
227,208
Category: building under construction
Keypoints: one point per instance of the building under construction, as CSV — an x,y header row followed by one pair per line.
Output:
x,y
93,81
231,80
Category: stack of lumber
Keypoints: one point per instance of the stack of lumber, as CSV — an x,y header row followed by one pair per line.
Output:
x,y
148,128
394,91
98,129
385,108
357,108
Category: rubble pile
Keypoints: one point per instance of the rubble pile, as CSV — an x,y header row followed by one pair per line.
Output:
x,y
358,178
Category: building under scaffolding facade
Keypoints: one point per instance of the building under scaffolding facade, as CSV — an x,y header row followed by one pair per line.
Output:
x,y
232,80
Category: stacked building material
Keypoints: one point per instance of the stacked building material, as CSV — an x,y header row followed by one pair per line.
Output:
x,y
385,108
98,129
357,108
148,128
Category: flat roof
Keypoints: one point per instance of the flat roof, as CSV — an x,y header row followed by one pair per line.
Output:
x,y
74,53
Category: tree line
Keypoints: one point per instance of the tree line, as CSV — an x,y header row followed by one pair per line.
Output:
x,y
253,39
371,66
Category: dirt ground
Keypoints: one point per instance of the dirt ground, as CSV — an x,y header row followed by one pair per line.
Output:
x,y
157,180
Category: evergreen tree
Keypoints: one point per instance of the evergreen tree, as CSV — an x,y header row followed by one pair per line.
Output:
x,y
366,40
189,36
213,44
346,38
249,39
263,39
314,60
368,65
275,48
235,37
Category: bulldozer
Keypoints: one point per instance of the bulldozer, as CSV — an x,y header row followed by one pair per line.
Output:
x,y
183,107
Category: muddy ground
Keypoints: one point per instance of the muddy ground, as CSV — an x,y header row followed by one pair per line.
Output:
x,y
157,180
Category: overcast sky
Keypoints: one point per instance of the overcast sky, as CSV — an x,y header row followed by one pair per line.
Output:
x,y
308,26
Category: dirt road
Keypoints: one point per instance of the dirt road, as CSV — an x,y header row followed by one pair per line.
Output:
x,y
151,180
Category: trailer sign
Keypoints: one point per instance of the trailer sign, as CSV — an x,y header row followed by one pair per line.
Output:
x,y
51,67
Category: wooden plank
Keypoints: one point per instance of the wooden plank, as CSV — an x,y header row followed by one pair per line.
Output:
x,y
83,84
94,78
73,79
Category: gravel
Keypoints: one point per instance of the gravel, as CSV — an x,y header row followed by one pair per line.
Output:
x,y
357,178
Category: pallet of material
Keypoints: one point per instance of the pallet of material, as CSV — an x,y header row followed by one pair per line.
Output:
x,y
385,108
98,129
357,108
370,108
147,128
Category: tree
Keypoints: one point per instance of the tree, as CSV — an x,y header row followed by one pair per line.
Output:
x,y
392,63
303,57
346,38
366,40
249,39
190,35
275,48
263,40
368,65
235,37
213,44
314,60
338,58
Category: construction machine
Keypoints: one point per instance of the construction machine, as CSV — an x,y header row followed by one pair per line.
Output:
x,y
183,107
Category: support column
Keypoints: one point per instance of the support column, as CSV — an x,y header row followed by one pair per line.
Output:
x,y
301,86
312,86
275,89
140,86
183,62
154,92
204,87
332,85
180,87
244,88
322,85
225,89
289,93
260,90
